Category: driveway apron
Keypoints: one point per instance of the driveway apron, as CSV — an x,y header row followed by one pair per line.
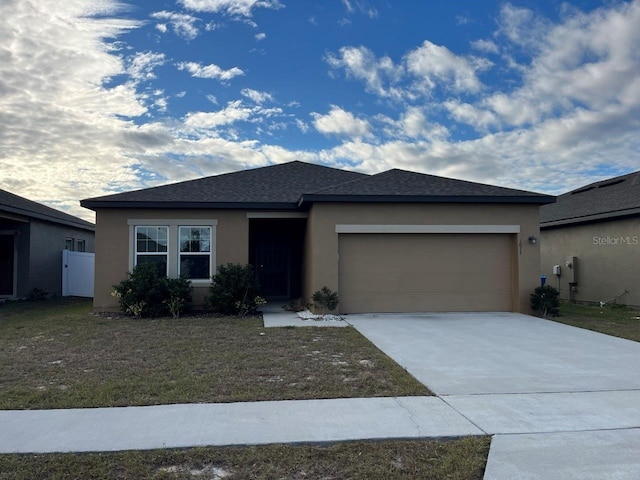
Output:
x,y
550,394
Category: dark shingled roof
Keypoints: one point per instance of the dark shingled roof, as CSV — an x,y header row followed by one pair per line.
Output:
x,y
615,197
279,185
291,185
401,185
14,204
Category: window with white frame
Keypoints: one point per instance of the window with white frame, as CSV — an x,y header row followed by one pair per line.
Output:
x,y
68,244
80,245
194,260
152,245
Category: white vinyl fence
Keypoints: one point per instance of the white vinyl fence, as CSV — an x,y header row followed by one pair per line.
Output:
x,y
77,274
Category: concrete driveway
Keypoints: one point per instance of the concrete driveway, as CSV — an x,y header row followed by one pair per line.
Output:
x,y
562,402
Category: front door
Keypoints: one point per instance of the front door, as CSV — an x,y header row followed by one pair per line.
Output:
x,y
6,265
272,258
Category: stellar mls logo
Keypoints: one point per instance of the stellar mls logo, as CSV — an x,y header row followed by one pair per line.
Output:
x,y
616,241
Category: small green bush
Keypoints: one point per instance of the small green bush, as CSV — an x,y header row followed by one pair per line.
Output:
x,y
234,291
325,299
545,300
147,293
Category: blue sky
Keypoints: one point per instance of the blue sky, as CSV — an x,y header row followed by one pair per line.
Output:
x,y
98,96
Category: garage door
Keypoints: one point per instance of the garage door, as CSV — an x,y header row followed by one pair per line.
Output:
x,y
425,272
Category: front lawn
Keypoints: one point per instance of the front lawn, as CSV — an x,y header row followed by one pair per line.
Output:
x,y
618,321
58,354
462,459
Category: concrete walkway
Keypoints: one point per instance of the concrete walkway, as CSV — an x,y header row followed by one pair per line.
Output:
x,y
250,423
560,402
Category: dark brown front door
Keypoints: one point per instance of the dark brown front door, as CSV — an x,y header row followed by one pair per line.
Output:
x,y
6,264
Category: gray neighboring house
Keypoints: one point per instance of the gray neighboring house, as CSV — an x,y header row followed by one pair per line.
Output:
x,y
590,241
32,237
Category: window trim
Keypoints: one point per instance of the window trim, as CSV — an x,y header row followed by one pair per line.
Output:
x,y
79,242
173,256
72,241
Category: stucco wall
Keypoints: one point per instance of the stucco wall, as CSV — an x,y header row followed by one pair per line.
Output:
x,y
608,260
46,242
113,245
322,259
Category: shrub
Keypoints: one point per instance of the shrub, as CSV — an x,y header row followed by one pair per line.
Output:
x,y
545,300
179,296
147,293
326,299
234,291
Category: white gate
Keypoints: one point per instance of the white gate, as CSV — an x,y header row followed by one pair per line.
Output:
x,y
77,274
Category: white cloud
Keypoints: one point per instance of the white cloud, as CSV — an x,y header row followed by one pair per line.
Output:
x,y
182,24
233,112
61,129
479,118
209,71
485,46
241,8
141,64
340,122
434,64
302,126
256,96
360,63
260,36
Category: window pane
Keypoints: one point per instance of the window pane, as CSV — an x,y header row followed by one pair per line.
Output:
x,y
151,239
195,239
159,260
195,266
68,244
80,246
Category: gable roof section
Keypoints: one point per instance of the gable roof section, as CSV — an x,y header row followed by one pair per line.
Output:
x,y
612,198
16,205
403,186
295,185
275,186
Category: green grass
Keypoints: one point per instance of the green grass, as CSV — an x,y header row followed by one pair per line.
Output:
x,y
457,459
58,354
618,321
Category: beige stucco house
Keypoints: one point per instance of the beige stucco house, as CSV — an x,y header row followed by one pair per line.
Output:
x,y
397,241
590,242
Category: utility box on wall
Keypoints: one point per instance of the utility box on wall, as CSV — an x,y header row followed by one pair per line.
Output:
x,y
570,270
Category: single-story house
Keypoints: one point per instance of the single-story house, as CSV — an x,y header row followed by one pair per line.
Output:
x,y
32,237
397,241
590,242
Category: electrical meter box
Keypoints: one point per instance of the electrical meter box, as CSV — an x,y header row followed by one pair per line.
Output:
x,y
571,270
557,270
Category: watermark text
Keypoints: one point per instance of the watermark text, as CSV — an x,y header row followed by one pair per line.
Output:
x,y
616,241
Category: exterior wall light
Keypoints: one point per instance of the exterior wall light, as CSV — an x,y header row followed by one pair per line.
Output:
x,y
533,240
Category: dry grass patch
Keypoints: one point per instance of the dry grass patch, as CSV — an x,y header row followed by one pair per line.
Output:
x,y
457,459
57,354
616,320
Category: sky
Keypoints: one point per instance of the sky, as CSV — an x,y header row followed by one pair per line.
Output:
x,y
99,96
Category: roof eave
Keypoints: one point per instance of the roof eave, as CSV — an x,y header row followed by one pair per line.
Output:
x,y
590,218
48,218
530,199
96,204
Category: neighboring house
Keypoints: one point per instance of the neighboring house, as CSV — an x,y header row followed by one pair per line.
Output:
x,y
397,241
32,237
599,226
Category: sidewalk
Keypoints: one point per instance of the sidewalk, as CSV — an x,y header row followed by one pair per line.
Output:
x,y
250,423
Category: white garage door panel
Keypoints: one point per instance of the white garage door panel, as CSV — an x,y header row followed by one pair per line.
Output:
x,y
425,272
